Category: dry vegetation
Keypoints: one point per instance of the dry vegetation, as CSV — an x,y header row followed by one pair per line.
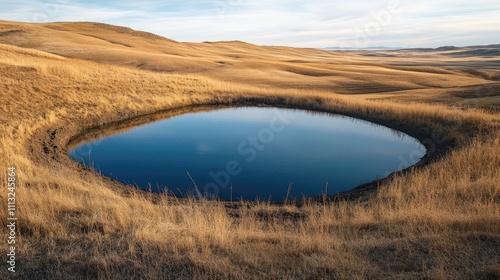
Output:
x,y
439,221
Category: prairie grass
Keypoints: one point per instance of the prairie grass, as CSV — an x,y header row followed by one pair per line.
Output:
x,y
439,221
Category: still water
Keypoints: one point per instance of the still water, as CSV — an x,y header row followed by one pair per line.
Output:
x,y
251,153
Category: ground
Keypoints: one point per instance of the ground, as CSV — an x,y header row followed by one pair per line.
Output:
x,y
59,81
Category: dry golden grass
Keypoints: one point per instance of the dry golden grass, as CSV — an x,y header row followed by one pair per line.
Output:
x,y
439,221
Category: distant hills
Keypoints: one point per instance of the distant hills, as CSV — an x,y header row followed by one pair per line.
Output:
x,y
379,48
489,50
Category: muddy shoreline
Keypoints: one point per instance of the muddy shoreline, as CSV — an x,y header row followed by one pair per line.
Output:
x,y
57,141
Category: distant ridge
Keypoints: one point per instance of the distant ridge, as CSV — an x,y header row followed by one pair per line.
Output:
x,y
453,48
117,29
377,48
438,49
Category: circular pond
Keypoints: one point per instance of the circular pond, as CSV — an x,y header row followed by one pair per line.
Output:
x,y
251,153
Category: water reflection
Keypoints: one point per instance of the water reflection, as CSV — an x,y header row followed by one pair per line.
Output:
x,y
247,152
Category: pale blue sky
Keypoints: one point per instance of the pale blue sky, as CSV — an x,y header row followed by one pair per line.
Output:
x,y
313,23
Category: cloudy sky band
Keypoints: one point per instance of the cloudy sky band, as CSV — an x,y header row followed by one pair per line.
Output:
x,y
313,23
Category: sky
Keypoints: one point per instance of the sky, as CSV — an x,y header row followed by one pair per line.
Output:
x,y
313,23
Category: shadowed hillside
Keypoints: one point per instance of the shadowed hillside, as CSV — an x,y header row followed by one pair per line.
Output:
x,y
61,81
341,72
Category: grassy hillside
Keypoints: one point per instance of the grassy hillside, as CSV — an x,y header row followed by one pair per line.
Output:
x,y
439,221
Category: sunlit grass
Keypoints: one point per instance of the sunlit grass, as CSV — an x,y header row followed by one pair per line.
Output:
x,y
438,221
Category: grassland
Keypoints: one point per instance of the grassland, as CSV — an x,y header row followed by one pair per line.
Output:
x,y
439,221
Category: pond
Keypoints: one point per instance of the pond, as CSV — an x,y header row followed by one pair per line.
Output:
x,y
251,153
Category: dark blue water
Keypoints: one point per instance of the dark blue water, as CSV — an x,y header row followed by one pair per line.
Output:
x,y
252,153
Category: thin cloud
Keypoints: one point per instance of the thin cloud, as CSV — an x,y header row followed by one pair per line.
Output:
x,y
315,23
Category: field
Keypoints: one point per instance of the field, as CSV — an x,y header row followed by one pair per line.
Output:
x,y
439,220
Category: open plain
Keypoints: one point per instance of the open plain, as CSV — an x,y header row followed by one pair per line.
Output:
x,y
439,220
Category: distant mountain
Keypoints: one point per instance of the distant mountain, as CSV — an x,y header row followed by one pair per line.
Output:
x,y
439,49
454,48
379,48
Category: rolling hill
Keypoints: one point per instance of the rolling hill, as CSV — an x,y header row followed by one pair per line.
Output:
x,y
63,82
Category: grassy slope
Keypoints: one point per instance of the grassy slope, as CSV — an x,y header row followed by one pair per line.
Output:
x,y
440,221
